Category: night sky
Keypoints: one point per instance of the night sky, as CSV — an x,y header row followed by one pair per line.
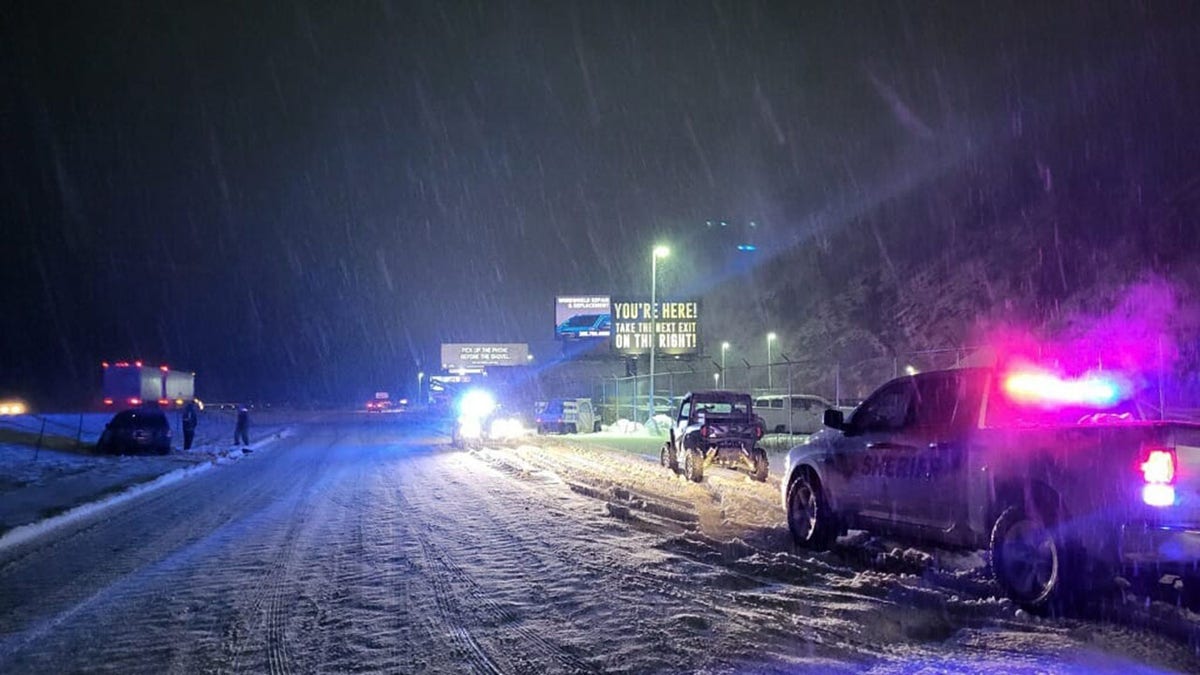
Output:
x,y
301,200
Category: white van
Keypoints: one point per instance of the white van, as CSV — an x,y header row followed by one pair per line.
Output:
x,y
807,413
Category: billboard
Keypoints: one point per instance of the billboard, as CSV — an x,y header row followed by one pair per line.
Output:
x,y
578,317
678,327
457,356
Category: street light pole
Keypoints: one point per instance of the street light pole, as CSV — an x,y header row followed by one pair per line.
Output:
x,y
724,377
420,377
658,252
770,338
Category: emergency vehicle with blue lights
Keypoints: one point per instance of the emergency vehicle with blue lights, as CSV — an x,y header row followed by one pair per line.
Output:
x,y
1061,478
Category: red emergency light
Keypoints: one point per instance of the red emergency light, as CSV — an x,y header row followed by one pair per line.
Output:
x,y
135,401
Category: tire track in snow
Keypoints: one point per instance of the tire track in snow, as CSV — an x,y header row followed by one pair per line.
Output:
x,y
456,590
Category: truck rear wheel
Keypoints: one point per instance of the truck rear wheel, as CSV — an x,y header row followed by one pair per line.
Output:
x,y
693,466
1031,562
810,519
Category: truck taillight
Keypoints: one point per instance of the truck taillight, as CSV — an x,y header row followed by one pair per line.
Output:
x,y
704,431
1158,472
758,431
135,401
108,401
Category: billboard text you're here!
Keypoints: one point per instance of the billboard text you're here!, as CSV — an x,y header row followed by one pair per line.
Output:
x,y
676,328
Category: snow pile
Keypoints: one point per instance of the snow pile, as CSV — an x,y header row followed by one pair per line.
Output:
x,y
627,427
659,425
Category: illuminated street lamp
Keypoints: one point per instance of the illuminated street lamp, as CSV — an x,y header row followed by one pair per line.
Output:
x,y
770,338
658,252
717,380
724,378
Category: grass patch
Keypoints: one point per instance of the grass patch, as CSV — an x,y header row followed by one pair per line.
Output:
x,y
49,441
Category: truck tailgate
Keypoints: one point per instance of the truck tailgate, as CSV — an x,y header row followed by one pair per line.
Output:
x,y
1186,441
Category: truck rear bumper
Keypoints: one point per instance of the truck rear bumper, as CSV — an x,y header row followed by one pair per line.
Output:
x,y
1144,544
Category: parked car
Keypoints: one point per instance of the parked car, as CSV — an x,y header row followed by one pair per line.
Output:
x,y
138,430
794,413
715,427
567,416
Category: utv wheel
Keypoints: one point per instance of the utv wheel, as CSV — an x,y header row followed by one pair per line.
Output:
x,y
693,466
1029,560
810,518
761,468
666,457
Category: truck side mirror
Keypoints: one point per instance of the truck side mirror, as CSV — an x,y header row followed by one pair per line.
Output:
x,y
834,419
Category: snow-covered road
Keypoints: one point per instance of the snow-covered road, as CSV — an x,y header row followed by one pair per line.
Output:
x,y
371,546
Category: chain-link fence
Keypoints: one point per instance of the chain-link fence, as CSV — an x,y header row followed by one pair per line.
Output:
x,y
1172,392
840,384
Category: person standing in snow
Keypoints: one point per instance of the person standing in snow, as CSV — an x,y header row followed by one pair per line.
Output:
x,y
190,419
241,433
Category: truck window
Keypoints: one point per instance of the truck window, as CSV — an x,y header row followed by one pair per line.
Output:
x,y
777,403
685,410
886,410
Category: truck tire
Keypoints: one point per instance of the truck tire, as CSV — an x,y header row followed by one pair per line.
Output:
x,y
666,457
810,519
693,466
1031,563
761,468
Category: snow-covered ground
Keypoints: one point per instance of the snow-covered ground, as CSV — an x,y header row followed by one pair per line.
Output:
x,y
372,546
64,474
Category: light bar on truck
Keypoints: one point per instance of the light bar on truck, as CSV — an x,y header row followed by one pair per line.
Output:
x,y
1040,388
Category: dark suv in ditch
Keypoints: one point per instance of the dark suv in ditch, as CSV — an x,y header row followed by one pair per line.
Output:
x,y
136,431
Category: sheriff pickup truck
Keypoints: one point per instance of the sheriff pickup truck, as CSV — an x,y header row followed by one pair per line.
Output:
x,y
1062,479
